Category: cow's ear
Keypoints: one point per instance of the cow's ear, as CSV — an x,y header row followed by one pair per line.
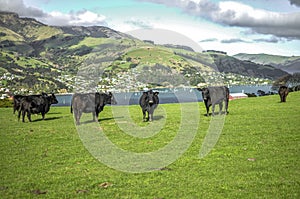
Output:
x,y
145,92
156,93
199,89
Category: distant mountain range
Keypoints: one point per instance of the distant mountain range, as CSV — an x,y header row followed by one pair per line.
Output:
x,y
37,57
285,63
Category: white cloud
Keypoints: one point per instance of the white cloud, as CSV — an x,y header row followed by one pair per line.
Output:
x,y
19,7
233,40
138,23
87,18
80,18
236,14
83,17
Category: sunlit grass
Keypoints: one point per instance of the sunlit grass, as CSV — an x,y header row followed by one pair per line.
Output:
x,y
257,155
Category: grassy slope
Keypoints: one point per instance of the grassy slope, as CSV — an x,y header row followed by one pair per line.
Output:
x,y
142,54
10,35
256,156
44,32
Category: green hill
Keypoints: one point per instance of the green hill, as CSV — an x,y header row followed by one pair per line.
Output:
x,y
35,57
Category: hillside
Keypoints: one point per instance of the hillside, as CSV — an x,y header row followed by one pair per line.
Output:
x,y
227,63
35,57
285,63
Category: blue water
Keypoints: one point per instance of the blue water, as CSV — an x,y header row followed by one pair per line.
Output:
x,y
167,96
249,89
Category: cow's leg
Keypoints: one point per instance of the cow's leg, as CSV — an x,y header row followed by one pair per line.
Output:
x,y
207,110
226,107
221,108
207,107
23,115
280,98
150,114
29,116
284,98
94,116
97,116
75,113
213,109
43,116
19,114
77,116
144,115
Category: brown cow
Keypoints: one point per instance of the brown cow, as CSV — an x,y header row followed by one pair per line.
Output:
x,y
283,93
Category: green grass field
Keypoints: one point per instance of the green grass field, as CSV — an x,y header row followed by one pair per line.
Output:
x,y
256,156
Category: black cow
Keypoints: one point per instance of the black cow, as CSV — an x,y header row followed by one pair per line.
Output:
x,y
17,100
90,103
283,93
148,102
35,104
215,95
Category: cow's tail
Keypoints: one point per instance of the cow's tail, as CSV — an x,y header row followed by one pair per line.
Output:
x,y
71,108
15,105
227,94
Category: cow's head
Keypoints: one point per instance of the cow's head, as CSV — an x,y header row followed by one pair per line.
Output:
x,y
53,99
105,98
150,97
112,99
205,93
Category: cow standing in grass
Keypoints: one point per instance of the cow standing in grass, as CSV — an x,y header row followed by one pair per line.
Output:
x,y
283,93
215,95
90,103
35,104
148,102
17,100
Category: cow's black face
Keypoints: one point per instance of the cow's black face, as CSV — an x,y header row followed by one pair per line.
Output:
x,y
109,98
205,94
53,99
112,98
150,97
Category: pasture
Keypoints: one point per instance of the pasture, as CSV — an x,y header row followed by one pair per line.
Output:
x,y
256,156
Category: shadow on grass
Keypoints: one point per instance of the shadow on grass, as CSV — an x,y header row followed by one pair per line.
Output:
x,y
216,113
52,113
105,119
99,120
158,117
47,119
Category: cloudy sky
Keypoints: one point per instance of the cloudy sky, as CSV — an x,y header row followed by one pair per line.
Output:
x,y
247,26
